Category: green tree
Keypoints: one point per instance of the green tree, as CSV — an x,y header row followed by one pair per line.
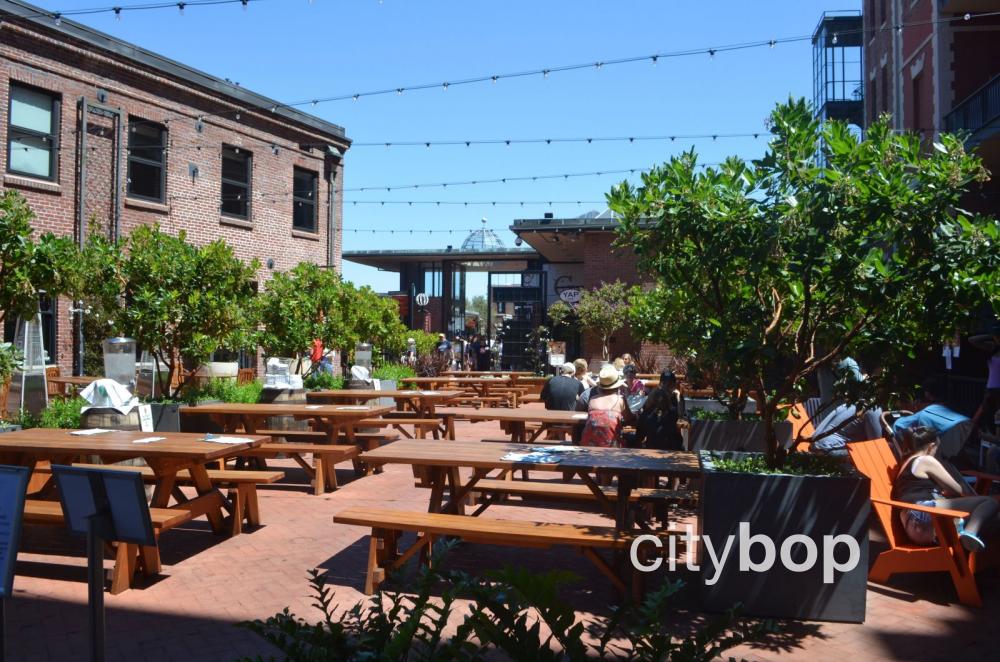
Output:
x,y
828,246
478,305
28,266
311,302
179,301
603,311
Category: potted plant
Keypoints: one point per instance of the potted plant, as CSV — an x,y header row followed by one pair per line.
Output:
x,y
828,246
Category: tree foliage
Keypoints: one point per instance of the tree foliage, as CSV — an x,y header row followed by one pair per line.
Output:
x,y
828,246
28,266
603,311
310,302
179,301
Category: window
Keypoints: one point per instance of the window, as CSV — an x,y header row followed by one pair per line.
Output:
x,y
237,168
147,174
32,132
304,200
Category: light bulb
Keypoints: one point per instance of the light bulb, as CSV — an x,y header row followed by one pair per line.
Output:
x,y
118,13
180,7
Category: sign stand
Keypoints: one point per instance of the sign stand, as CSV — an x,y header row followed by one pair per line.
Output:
x,y
105,505
13,486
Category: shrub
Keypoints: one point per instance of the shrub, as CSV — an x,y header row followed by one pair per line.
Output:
x,y
322,381
393,371
226,390
61,413
10,360
505,616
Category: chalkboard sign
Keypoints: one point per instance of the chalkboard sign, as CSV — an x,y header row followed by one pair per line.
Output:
x,y
13,485
113,499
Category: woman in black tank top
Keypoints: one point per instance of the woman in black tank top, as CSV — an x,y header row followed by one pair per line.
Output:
x,y
923,479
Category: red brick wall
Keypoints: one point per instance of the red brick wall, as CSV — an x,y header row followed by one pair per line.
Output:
x,y
48,61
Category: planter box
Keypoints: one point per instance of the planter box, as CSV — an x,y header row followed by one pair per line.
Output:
x,y
735,435
780,506
198,422
166,416
6,427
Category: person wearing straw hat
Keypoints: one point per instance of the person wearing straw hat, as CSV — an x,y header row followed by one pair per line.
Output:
x,y
606,411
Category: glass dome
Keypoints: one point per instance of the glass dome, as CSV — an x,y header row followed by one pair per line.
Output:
x,y
482,239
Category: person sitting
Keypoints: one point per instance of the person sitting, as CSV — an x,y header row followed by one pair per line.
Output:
x,y
927,481
989,343
619,365
606,411
662,416
627,359
846,423
562,391
633,385
583,373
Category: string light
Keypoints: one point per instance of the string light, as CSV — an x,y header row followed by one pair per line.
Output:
x,y
493,78
180,7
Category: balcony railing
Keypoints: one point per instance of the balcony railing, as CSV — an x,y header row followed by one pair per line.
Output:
x,y
977,111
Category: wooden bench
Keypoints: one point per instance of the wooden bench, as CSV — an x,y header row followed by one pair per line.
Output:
x,y
318,436
242,488
129,557
421,426
387,525
324,457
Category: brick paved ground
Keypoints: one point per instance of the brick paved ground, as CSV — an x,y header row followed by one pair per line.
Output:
x,y
209,584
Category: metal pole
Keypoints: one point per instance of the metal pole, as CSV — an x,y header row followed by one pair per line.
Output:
x,y
95,589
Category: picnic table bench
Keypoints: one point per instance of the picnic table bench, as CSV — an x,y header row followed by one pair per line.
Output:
x,y
129,557
387,525
421,402
515,421
324,457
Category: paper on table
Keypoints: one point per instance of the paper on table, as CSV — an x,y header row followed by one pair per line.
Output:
x,y
146,440
428,392
580,416
226,440
531,458
353,407
558,449
313,406
87,433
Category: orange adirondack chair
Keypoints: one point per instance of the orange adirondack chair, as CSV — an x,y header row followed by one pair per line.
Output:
x,y
875,459
802,428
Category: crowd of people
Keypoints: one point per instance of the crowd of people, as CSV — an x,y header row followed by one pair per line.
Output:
x,y
617,397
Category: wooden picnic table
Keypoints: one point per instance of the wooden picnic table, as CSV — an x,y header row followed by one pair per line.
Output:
x,y
176,452
331,419
514,421
442,460
422,402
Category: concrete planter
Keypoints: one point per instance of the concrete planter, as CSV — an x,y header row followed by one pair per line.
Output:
x,y
166,416
779,506
735,435
198,422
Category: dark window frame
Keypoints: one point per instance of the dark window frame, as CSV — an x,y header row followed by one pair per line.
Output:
x,y
161,164
51,138
312,201
247,185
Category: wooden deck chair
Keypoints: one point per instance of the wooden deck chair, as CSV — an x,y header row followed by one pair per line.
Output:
x,y
245,375
54,390
876,460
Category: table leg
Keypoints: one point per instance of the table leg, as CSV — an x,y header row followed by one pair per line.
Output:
x,y
203,484
436,478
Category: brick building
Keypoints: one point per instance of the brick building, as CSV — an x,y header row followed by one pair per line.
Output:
x,y
933,74
934,65
102,135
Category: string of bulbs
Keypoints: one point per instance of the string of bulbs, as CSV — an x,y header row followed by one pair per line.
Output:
x,y
468,182
654,58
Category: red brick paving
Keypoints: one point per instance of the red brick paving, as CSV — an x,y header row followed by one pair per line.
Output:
x,y
210,583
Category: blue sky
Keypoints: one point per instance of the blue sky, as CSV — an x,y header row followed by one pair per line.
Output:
x,y
294,49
